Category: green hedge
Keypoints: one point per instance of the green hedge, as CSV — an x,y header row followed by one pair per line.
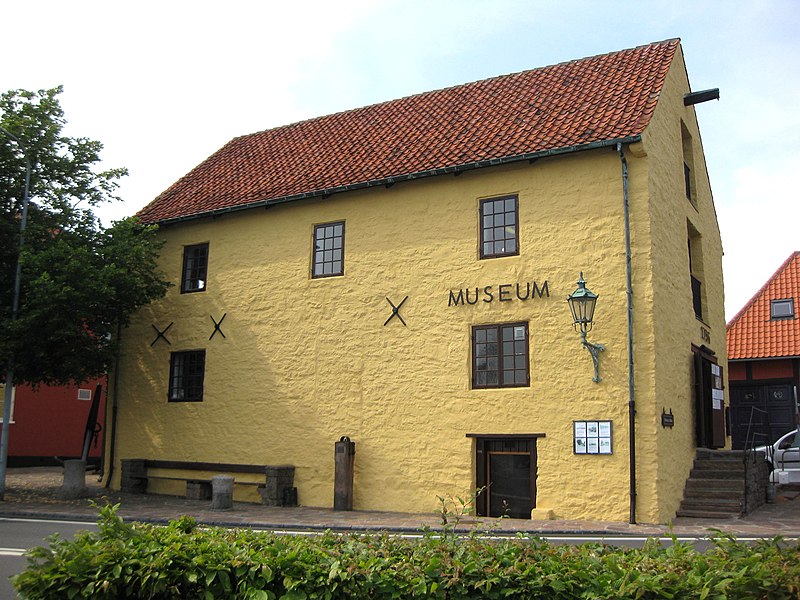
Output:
x,y
184,560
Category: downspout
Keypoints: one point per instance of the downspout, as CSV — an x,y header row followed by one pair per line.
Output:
x,y
629,290
113,439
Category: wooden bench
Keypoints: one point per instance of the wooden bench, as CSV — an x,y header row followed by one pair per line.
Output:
x,y
276,489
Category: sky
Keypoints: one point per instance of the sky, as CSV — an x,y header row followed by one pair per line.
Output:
x,y
165,84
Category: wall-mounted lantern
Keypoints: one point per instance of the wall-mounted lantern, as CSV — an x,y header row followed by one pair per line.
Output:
x,y
581,303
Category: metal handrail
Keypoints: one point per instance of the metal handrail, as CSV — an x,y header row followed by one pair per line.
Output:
x,y
751,437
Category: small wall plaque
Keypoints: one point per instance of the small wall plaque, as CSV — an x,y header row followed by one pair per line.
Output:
x,y
592,437
667,418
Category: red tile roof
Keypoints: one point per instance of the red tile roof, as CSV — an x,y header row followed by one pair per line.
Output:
x,y
573,105
752,334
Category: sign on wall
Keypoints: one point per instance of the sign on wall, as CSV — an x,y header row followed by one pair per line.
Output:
x,y
592,437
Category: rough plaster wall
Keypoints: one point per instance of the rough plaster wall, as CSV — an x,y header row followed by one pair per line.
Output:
x,y
306,361
676,327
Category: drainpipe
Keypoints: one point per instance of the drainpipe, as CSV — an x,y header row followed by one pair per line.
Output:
x,y
629,290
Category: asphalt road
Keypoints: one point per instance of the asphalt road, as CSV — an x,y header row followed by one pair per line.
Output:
x,y
18,535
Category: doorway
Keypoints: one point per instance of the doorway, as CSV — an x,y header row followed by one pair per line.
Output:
x,y
505,470
764,412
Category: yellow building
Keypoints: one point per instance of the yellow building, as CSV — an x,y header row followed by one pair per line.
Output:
x,y
398,274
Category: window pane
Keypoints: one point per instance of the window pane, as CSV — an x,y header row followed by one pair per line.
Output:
x,y
195,268
487,207
487,248
499,220
502,357
488,221
511,205
499,248
328,261
488,235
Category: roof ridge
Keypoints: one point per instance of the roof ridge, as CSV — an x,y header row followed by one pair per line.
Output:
x,y
762,289
666,42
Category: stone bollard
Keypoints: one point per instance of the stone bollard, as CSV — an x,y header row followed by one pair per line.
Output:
x,y
221,492
74,479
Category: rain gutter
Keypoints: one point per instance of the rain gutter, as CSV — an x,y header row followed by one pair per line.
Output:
x,y
389,181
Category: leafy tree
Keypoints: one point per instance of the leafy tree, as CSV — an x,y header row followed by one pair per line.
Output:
x,y
80,281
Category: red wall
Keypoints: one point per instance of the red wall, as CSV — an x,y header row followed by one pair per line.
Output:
x,y
772,369
761,369
50,421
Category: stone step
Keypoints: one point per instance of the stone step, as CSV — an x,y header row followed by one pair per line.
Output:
x,y
726,504
705,453
712,493
696,473
707,514
730,485
722,465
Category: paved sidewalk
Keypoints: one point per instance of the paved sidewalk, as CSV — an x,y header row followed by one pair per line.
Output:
x,y
33,492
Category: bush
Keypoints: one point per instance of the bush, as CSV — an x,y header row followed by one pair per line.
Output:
x,y
184,560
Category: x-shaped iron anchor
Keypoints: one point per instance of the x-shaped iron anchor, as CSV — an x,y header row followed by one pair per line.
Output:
x,y
396,312
161,334
217,326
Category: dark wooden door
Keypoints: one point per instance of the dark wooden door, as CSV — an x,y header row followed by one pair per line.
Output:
x,y
709,411
506,471
764,412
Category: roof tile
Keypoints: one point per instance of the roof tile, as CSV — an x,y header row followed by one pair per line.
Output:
x,y
753,334
577,103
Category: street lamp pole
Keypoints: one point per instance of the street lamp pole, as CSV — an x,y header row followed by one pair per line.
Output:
x,y
9,387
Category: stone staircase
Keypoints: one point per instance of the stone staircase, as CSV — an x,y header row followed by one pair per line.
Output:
x,y
716,485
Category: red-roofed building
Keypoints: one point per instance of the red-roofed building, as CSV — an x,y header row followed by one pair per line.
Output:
x,y
764,359
398,274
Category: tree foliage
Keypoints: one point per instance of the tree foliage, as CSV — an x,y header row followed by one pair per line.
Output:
x,y
79,280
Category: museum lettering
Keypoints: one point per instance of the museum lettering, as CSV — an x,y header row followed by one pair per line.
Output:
x,y
505,292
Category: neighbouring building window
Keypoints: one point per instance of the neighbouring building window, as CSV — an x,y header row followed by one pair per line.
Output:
x,y
499,227
781,309
186,374
195,268
328,250
500,356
